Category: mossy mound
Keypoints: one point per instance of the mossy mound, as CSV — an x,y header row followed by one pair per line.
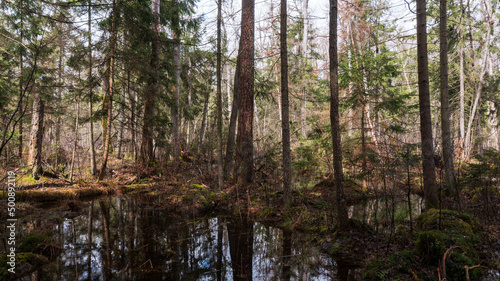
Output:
x,y
399,266
25,261
448,220
430,246
32,241
456,229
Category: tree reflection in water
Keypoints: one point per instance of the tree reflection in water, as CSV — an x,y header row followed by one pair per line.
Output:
x,y
125,239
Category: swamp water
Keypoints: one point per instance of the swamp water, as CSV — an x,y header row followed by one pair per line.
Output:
x,y
120,238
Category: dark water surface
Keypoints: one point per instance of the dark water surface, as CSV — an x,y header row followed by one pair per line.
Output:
x,y
122,239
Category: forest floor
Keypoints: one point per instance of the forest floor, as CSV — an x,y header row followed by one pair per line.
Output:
x,y
187,189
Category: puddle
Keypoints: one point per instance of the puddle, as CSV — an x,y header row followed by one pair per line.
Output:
x,y
121,239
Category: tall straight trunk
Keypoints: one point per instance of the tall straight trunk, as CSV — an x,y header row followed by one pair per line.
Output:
x,y
231,136
132,122
75,143
21,67
59,99
109,94
176,150
462,80
220,171
121,121
36,136
147,154
428,166
285,121
90,85
305,31
204,119
244,141
445,107
20,140
342,216
462,94
228,89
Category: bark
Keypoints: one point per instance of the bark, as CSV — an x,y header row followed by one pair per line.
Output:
x,y
36,137
59,99
204,119
244,141
147,154
220,171
90,85
462,88
132,122
285,122
109,94
176,150
75,143
21,66
305,31
428,166
121,122
445,107
228,167
342,216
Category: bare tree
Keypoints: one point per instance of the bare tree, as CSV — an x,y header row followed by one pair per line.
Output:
x,y
244,141
285,121
109,95
220,171
428,166
36,136
147,155
342,216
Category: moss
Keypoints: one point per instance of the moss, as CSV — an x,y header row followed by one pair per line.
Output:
x,y
399,266
448,220
30,258
430,246
29,180
32,240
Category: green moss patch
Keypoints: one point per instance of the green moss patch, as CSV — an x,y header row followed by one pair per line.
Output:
x,y
57,194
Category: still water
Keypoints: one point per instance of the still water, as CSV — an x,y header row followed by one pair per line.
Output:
x,y
123,239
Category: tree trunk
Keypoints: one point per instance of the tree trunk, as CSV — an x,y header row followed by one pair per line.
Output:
x,y
285,122
176,150
76,140
305,31
21,67
342,216
428,166
445,107
121,122
231,136
204,119
109,94
91,96
132,122
244,141
147,154
220,171
36,136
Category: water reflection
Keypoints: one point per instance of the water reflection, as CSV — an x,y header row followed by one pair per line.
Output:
x,y
122,239
380,213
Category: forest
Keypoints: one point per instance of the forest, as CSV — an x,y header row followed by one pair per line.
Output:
x,y
250,140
